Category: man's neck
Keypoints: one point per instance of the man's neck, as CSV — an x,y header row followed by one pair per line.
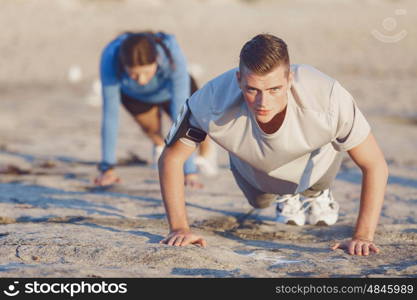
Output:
x,y
275,124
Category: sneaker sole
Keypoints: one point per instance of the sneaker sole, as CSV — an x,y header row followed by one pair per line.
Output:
x,y
291,222
324,221
321,223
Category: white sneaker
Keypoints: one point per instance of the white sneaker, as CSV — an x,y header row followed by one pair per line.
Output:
x,y
207,166
290,210
157,151
322,210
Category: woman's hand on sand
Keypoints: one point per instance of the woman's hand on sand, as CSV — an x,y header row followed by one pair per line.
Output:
x,y
357,246
183,238
193,181
107,178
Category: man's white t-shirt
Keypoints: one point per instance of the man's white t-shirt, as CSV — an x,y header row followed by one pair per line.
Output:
x,y
322,119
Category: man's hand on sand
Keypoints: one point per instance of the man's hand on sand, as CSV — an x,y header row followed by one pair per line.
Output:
x,y
357,246
193,181
107,178
183,238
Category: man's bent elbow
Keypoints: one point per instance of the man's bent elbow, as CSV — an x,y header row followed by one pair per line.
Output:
x,y
380,167
385,169
169,157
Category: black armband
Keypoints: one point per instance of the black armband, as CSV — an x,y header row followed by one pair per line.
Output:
x,y
182,128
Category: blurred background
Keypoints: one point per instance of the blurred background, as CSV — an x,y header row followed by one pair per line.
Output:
x,y
50,50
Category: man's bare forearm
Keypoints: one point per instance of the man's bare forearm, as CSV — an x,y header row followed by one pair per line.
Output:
x,y
372,196
171,178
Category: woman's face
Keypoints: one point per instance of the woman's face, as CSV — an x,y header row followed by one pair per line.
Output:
x,y
142,74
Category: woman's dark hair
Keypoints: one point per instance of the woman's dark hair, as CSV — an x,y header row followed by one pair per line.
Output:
x,y
139,48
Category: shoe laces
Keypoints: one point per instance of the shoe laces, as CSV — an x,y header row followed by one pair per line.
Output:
x,y
307,203
290,203
323,202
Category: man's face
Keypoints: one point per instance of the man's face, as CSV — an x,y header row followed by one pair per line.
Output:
x,y
266,95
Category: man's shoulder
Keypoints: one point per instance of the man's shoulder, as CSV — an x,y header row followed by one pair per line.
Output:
x,y
221,86
225,80
311,87
216,97
309,75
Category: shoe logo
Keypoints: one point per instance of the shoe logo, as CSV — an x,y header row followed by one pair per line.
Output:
x,y
389,24
11,292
